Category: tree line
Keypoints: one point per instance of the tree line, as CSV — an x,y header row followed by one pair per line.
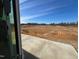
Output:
x,y
62,24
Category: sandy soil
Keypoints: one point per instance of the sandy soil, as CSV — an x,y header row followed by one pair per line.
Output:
x,y
66,34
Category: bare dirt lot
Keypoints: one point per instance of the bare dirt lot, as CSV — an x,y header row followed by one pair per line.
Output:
x,y
65,34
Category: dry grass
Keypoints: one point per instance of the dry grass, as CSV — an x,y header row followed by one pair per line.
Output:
x,y
66,34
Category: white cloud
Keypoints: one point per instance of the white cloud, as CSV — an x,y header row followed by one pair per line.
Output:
x,y
42,13
52,8
26,18
21,1
33,4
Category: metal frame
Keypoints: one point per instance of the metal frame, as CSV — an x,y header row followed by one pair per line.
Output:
x,y
17,28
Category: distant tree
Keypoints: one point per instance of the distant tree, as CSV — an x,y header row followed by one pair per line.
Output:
x,y
52,24
32,23
42,24
65,24
61,24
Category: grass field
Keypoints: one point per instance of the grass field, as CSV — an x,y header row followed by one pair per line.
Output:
x,y
65,34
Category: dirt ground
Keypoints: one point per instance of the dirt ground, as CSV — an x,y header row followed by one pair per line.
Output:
x,y
65,34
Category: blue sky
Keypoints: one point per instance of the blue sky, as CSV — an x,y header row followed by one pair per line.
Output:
x,y
48,11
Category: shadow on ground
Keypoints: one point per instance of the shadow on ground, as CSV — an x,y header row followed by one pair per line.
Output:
x,y
27,55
